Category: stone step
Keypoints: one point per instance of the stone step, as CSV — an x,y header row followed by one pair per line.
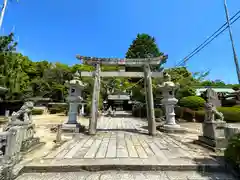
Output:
x,y
76,165
129,175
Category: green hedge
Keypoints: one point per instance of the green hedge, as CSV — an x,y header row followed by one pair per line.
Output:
x,y
187,114
37,111
229,102
192,102
232,152
159,113
237,106
231,114
55,108
139,111
142,112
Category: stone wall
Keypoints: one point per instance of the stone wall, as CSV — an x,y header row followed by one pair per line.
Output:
x,y
10,147
230,131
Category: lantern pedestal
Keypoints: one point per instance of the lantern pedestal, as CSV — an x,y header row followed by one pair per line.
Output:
x,y
169,101
73,128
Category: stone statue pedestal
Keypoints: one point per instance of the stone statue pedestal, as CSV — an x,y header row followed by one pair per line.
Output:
x,y
213,135
72,128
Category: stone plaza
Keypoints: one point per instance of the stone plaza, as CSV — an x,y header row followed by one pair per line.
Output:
x,y
124,143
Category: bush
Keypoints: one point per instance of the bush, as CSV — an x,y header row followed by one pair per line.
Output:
x,y
231,114
54,108
186,113
37,111
199,116
232,152
229,102
158,113
192,102
236,106
185,92
139,110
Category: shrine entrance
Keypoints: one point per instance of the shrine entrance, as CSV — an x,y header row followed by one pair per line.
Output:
x,y
119,101
146,74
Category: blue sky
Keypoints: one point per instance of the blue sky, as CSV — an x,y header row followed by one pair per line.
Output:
x,y
57,30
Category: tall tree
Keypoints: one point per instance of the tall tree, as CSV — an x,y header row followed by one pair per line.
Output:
x,y
144,46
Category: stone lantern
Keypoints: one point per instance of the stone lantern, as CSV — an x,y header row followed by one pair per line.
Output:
x,y
74,99
169,101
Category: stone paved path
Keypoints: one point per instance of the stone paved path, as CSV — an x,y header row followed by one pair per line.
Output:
x,y
126,175
123,141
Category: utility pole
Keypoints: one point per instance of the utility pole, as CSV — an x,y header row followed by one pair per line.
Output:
x,y
4,6
231,38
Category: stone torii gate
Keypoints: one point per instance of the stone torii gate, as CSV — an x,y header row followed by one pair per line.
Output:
x,y
147,75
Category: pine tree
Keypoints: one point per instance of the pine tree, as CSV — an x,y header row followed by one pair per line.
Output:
x,y
144,46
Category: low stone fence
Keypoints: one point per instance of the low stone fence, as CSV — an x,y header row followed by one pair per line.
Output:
x,y
10,145
230,131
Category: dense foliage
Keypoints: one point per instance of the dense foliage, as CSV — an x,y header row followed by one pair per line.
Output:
x,y
233,149
25,78
139,110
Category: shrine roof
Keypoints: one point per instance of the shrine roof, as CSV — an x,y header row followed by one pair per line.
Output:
x,y
218,90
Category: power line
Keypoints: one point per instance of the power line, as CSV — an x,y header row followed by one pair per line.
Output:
x,y
185,60
206,42
212,35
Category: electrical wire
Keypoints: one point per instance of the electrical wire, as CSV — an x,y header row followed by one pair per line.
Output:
x,y
206,42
